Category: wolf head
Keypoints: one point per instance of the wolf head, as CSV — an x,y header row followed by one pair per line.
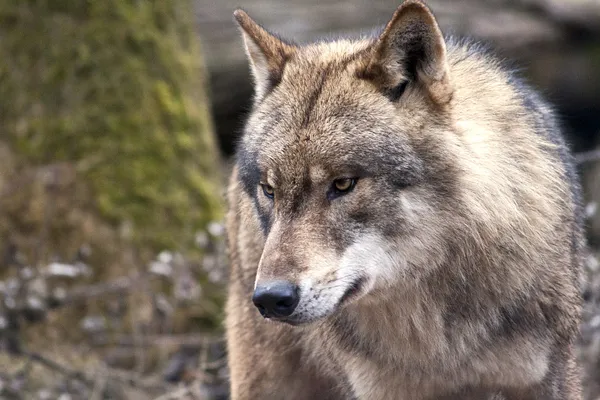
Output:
x,y
344,159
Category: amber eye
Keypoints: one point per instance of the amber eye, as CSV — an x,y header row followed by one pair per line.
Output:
x,y
268,190
344,185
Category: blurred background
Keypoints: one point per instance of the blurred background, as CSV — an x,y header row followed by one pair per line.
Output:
x,y
118,120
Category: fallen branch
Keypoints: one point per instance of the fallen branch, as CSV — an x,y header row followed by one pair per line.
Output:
x,y
196,340
148,384
587,156
184,392
83,294
53,365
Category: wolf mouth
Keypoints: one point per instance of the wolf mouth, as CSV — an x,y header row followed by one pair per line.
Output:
x,y
353,290
288,321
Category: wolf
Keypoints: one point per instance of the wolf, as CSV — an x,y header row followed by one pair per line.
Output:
x,y
404,223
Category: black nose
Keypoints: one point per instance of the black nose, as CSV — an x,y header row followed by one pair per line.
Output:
x,y
276,299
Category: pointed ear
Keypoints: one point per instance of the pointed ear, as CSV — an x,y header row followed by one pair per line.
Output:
x,y
266,53
411,48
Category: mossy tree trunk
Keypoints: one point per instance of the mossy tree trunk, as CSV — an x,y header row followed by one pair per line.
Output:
x,y
106,148
116,89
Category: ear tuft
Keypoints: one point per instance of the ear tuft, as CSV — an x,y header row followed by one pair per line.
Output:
x,y
266,53
411,48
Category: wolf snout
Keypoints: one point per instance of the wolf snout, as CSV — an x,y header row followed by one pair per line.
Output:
x,y
276,299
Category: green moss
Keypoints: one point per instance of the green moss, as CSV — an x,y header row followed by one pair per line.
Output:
x,y
115,87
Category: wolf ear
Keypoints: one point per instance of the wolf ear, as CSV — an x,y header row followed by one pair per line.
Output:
x,y
411,48
266,53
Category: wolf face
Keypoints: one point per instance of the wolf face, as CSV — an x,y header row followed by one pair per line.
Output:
x,y
342,157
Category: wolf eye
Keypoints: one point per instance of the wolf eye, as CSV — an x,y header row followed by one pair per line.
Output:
x,y
268,190
344,185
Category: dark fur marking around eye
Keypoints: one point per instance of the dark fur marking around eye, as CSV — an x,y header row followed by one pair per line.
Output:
x,y
249,176
249,171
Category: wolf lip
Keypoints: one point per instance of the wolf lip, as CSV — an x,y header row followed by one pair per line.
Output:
x,y
290,322
286,321
353,290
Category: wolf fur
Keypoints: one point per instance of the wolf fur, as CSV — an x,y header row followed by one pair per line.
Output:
x,y
450,271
